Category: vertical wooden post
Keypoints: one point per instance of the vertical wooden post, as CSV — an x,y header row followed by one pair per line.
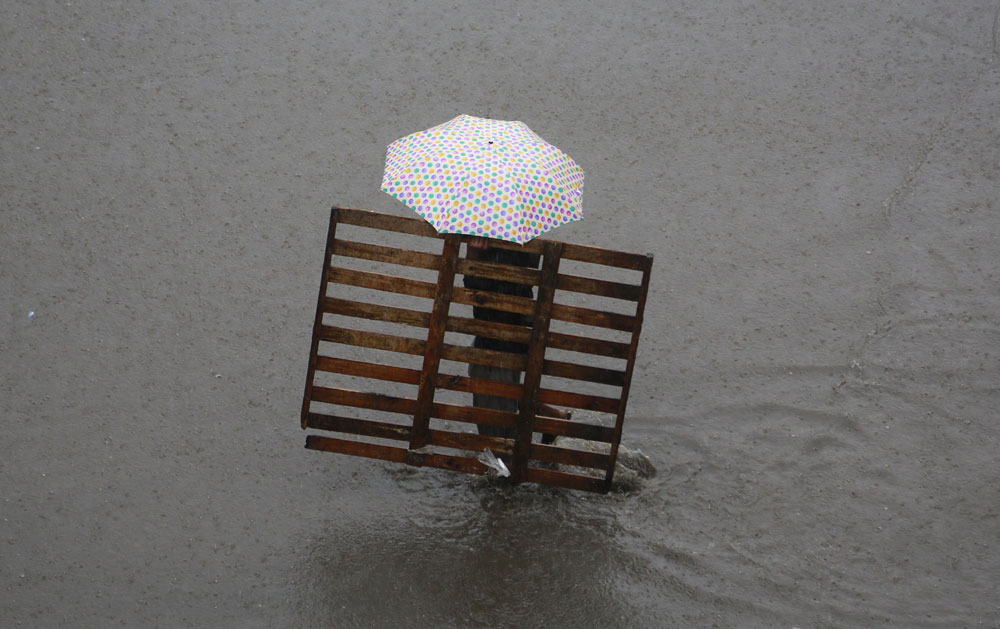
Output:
x,y
435,341
331,236
647,267
552,254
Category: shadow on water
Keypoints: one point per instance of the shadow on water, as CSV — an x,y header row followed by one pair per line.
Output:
x,y
472,553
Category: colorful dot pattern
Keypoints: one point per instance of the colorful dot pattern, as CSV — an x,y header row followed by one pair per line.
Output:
x,y
483,177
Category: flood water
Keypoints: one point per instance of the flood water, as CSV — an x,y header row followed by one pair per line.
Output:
x,y
817,379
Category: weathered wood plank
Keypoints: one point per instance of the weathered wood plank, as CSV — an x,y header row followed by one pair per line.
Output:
x,y
381,253
376,312
606,257
480,356
374,371
331,237
362,399
372,340
496,301
397,455
602,288
387,222
574,430
435,341
585,373
491,329
382,282
579,400
479,385
355,426
496,271
569,456
596,318
585,345
536,356
633,349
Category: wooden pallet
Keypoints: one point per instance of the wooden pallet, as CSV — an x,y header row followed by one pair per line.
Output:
x,y
397,412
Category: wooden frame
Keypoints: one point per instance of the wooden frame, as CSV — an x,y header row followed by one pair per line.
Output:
x,y
409,436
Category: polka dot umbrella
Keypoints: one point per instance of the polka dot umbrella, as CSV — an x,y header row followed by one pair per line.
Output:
x,y
483,177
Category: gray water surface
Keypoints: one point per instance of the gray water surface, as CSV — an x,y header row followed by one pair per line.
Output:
x,y
817,381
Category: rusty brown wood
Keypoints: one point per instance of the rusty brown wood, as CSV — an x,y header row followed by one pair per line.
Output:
x,y
602,288
363,427
383,282
331,237
596,318
397,455
585,345
491,329
387,222
435,341
469,441
385,430
374,371
372,340
634,348
568,456
536,356
578,400
585,373
376,312
496,301
473,415
574,430
605,257
497,271
381,253
480,356
530,394
361,399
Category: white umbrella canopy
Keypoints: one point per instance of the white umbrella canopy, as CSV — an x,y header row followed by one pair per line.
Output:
x,y
484,177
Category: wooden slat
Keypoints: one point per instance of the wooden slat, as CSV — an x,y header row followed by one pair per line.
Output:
x,y
374,371
597,347
479,385
382,282
397,455
603,288
579,400
331,237
479,356
387,222
583,372
376,312
361,399
373,340
363,427
574,430
496,301
471,441
569,456
596,318
633,349
491,329
381,253
536,357
473,415
606,257
435,342
496,271
383,430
